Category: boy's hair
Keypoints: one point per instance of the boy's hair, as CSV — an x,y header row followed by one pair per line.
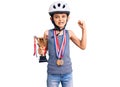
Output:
x,y
59,7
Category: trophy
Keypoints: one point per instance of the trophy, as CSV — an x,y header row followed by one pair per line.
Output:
x,y
42,45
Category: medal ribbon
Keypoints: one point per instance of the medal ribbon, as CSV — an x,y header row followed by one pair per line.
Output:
x,y
34,47
60,49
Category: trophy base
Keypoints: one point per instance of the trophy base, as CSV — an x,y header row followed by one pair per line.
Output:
x,y
42,59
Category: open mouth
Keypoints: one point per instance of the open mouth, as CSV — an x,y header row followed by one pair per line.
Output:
x,y
61,23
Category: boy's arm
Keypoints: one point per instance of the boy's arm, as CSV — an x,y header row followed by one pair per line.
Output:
x,y
81,43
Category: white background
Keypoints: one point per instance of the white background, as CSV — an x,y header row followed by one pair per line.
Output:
x,y
97,66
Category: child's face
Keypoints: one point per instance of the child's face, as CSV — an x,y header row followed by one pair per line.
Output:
x,y
60,19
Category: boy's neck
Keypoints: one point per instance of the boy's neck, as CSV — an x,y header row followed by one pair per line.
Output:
x,y
59,32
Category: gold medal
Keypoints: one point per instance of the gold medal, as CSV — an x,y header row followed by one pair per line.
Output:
x,y
60,62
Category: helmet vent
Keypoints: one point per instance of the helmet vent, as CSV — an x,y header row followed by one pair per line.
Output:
x,y
63,6
54,7
59,4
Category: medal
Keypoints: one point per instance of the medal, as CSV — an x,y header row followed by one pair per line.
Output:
x,y
60,49
60,62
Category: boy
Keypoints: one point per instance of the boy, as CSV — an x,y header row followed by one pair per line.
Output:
x,y
59,62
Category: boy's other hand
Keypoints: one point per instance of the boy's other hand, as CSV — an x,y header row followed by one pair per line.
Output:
x,y
82,24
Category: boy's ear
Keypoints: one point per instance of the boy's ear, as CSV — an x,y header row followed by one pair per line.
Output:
x,y
51,18
68,17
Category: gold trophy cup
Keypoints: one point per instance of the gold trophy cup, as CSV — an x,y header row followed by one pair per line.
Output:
x,y
42,45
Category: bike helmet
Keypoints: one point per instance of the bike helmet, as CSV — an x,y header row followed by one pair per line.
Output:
x,y
59,7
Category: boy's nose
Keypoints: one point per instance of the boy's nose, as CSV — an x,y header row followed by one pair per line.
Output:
x,y
60,18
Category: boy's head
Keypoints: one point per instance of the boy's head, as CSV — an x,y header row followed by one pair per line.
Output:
x,y
59,12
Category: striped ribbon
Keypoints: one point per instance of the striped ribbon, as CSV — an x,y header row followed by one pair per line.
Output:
x,y
35,47
60,49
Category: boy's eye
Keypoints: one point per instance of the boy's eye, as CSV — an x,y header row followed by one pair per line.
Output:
x,y
56,17
63,16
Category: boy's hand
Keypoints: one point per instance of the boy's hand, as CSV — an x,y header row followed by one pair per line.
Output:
x,y
82,24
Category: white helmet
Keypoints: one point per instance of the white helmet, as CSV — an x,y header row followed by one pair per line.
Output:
x,y
59,7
